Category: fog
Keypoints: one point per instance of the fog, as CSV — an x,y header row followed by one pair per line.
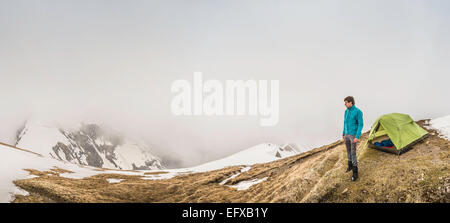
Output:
x,y
114,62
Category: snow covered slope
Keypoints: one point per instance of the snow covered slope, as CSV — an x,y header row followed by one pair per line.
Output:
x,y
442,125
14,161
88,144
262,153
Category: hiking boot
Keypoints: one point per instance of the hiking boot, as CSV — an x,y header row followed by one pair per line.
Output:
x,y
355,173
350,166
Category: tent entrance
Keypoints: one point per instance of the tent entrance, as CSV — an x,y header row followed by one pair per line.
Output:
x,y
381,148
379,135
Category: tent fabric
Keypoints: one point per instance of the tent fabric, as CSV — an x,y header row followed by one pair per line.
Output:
x,y
400,128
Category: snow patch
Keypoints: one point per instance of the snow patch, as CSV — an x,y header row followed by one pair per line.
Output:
x,y
245,169
113,181
160,176
244,185
20,191
442,125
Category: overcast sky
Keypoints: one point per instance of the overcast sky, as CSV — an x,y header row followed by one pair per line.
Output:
x,y
114,62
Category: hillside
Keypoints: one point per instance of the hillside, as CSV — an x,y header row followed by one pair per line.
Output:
x,y
420,175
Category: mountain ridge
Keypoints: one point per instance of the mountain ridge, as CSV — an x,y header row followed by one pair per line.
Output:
x,y
318,175
89,144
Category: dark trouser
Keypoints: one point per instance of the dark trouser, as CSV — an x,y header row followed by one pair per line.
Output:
x,y
351,149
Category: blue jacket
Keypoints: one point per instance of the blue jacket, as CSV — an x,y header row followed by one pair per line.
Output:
x,y
353,122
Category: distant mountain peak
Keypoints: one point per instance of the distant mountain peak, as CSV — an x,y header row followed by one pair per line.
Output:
x,y
87,144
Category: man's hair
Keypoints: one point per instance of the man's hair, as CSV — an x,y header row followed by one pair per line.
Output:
x,y
350,99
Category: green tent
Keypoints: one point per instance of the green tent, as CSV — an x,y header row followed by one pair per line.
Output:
x,y
400,128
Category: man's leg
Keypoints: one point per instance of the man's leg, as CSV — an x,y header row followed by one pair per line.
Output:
x,y
354,161
353,152
348,145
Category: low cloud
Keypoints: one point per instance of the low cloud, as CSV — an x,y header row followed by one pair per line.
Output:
x,y
116,66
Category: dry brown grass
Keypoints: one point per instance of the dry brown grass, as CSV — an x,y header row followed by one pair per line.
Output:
x,y
103,169
420,175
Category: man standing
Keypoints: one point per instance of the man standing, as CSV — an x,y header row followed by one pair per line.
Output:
x,y
353,124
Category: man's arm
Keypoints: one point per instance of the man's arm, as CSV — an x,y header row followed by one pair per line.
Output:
x,y
360,124
343,129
